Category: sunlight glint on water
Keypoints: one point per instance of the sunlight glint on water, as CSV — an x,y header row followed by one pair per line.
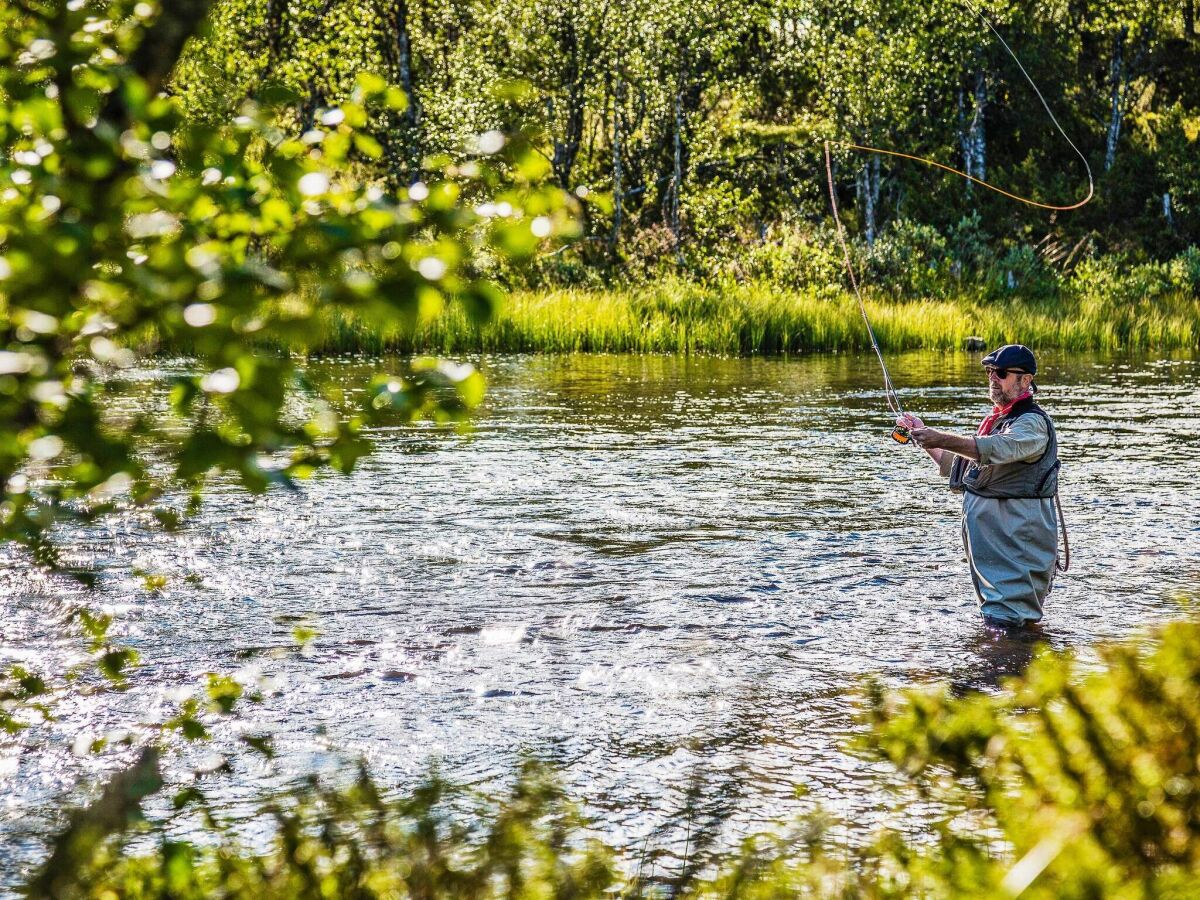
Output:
x,y
655,571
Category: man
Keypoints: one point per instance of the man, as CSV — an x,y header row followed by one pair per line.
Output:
x,y
1007,473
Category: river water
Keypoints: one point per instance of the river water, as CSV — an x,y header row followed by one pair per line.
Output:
x,y
657,572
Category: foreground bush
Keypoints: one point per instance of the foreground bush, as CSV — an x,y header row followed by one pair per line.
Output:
x,y
1071,782
123,224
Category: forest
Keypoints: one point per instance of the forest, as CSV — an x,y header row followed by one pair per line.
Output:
x,y
691,132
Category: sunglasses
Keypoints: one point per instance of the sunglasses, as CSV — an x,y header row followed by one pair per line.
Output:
x,y
1002,373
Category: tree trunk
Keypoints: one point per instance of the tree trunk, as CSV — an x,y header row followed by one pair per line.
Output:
x,y
876,183
566,147
964,141
1189,18
276,21
154,58
618,99
1116,74
314,99
977,126
972,135
397,50
156,55
677,178
404,62
868,194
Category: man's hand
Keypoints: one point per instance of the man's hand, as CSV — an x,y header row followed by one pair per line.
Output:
x,y
920,434
929,438
934,442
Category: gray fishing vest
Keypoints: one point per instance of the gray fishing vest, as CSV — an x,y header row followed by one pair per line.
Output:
x,y
1037,478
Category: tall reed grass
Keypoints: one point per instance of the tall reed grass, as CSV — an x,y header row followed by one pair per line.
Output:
x,y
676,316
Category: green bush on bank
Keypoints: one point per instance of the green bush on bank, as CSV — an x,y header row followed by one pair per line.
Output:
x,y
1070,782
789,293
1102,306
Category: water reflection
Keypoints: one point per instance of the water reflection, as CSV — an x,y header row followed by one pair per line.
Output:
x,y
652,570
1000,653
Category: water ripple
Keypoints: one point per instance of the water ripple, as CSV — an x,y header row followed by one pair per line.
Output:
x,y
655,571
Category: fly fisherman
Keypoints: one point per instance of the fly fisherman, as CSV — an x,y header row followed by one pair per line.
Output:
x,y
1007,473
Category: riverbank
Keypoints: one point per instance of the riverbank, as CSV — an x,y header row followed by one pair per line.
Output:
x,y
676,316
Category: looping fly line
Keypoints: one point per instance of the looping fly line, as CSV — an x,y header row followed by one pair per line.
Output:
x,y
893,398
889,390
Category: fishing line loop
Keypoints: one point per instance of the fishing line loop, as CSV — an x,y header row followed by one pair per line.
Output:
x,y
893,398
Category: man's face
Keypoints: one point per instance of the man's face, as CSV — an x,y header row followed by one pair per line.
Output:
x,y
1006,389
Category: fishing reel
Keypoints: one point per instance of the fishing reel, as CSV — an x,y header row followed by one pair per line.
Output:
x,y
901,435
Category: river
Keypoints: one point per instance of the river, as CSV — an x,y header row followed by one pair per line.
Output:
x,y
655,571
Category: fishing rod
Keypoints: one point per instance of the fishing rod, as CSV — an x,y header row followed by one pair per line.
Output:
x,y
900,433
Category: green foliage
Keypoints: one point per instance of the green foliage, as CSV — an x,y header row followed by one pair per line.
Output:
x,y
19,693
113,662
909,260
84,840
1092,777
791,258
677,315
304,635
737,97
128,227
714,215
342,843
1074,780
1022,272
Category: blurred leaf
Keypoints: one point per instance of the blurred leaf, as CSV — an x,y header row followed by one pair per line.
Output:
x,y
223,692
155,583
114,663
261,744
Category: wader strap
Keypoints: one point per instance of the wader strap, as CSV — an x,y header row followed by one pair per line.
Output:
x,y
1062,524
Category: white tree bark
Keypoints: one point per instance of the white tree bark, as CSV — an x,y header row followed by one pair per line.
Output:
x,y
1120,85
972,136
618,99
412,114
978,131
677,176
868,196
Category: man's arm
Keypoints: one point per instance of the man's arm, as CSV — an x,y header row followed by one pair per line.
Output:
x,y
914,424
931,439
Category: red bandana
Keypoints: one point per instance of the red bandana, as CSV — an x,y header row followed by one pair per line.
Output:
x,y
999,412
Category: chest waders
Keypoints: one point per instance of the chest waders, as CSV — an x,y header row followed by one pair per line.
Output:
x,y
1035,479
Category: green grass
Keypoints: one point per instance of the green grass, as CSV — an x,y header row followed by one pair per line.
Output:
x,y
676,316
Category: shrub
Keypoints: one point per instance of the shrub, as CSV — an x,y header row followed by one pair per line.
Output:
x,y
909,260
969,244
1072,781
1022,272
715,211
1185,270
649,253
796,258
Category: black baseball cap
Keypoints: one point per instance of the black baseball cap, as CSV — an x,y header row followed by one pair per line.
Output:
x,y
1012,356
